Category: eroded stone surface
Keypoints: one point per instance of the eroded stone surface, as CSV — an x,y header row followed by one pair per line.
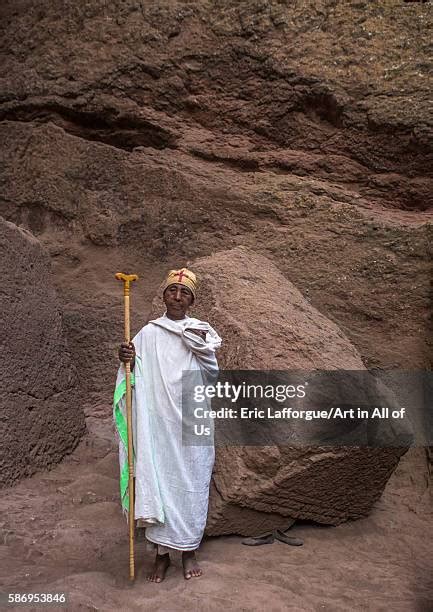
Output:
x,y
40,418
266,323
173,131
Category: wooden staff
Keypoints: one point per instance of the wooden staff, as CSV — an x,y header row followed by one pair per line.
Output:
x,y
127,279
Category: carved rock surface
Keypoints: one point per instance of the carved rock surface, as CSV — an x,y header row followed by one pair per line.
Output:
x,y
266,323
138,135
40,418
135,135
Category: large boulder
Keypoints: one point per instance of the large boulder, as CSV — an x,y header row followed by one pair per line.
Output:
x,y
40,418
266,323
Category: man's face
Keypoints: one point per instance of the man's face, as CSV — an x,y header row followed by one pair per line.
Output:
x,y
177,300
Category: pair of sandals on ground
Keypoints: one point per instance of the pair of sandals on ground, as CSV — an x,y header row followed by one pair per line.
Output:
x,y
276,534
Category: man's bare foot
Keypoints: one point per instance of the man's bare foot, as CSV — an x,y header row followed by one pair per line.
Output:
x,y
160,567
191,568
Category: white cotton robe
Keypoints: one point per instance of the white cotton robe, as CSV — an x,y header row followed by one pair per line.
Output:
x,y
171,480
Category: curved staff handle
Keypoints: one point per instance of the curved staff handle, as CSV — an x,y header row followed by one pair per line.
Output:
x,y
127,279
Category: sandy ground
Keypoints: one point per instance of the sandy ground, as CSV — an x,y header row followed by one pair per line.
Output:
x,y
62,531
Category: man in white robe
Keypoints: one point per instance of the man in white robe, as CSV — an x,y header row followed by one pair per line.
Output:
x,y
171,480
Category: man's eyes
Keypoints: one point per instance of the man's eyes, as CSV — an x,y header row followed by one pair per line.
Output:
x,y
183,291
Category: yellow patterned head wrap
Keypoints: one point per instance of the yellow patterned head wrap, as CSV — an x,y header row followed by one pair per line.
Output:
x,y
181,277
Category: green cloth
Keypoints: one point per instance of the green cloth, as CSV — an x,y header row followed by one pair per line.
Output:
x,y
122,430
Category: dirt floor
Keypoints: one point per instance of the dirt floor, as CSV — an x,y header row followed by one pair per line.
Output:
x,y
63,531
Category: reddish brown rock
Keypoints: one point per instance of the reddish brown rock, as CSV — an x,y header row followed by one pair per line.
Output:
x,y
40,418
266,323
137,135
341,91
171,132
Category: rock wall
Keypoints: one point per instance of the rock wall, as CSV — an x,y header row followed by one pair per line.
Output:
x,y
338,90
139,135
40,420
136,136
